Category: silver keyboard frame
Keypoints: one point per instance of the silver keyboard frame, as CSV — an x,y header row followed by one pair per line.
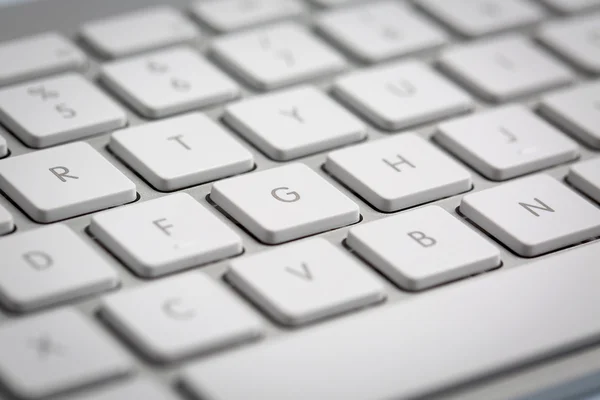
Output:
x,y
561,377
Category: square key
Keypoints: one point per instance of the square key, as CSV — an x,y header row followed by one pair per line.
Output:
x,y
168,82
181,151
294,123
285,203
276,55
66,108
63,182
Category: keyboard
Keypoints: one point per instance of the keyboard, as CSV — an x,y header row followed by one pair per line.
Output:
x,y
299,199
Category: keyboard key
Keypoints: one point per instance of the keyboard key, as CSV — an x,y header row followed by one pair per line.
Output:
x,y
145,389
231,15
423,248
197,149
585,176
277,55
577,40
577,111
180,317
50,265
63,182
572,6
506,142
35,56
533,215
55,352
398,172
167,82
3,147
285,203
474,18
403,94
7,223
411,349
66,108
505,68
165,235
138,31
380,31
305,281
310,120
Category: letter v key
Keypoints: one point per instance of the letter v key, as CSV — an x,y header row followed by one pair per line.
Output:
x,y
304,274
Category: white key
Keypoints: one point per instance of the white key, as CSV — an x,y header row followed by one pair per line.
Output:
x,y
505,68
44,267
3,147
181,316
411,349
66,108
294,123
305,281
585,176
276,55
533,215
38,55
167,82
403,94
284,203
572,6
380,31
138,31
57,351
474,18
577,40
140,388
506,142
423,248
230,15
63,182
165,235
577,111
7,223
197,149
398,172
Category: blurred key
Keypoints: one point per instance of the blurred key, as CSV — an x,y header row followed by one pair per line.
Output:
x,y
585,176
3,147
572,6
7,223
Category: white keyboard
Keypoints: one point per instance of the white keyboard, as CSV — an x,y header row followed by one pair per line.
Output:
x,y
300,199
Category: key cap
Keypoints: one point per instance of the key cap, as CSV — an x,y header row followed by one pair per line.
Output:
x,y
506,142
35,56
66,108
181,316
577,40
3,147
7,223
231,15
294,123
57,351
504,68
473,18
572,6
577,111
138,31
585,177
423,248
165,235
63,182
50,265
168,82
197,149
140,388
380,31
276,56
284,203
417,347
533,215
400,95
398,172
304,282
